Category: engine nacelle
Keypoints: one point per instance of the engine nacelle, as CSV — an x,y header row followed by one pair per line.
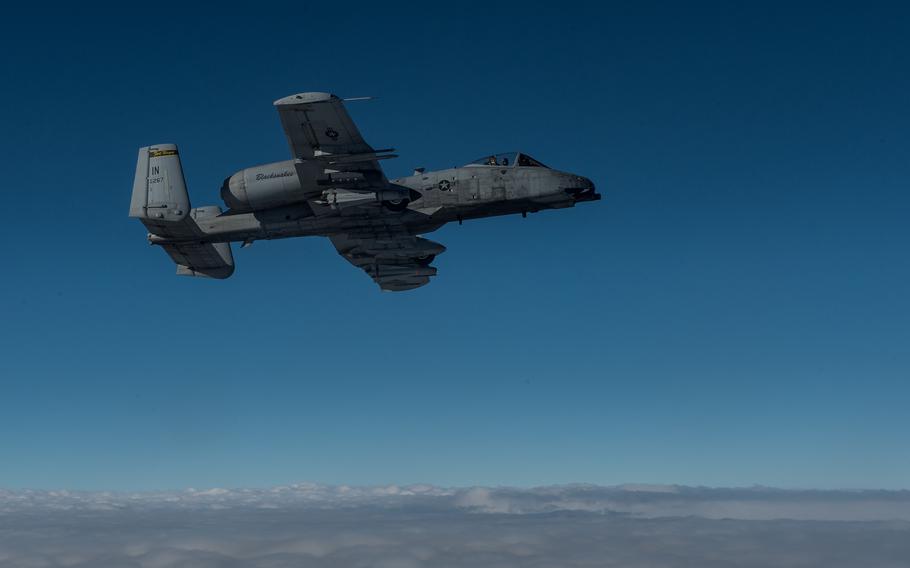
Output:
x,y
261,187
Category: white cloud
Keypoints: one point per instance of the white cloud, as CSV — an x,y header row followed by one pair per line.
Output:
x,y
418,526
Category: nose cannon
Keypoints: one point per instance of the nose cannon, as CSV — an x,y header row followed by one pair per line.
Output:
x,y
582,189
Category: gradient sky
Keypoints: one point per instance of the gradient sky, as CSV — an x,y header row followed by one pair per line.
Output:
x,y
735,311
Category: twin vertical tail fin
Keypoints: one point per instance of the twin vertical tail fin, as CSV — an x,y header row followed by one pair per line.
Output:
x,y
161,202
160,198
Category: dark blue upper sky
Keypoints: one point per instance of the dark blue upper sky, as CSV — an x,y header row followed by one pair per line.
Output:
x,y
736,310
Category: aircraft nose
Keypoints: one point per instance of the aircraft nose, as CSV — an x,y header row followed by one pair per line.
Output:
x,y
582,189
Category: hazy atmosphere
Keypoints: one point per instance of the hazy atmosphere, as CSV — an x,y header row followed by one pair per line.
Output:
x,y
416,526
733,314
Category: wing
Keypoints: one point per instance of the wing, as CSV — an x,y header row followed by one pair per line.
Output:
x,y
396,262
327,147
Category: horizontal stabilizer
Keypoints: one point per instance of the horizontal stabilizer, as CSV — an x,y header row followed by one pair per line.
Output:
x,y
199,258
209,260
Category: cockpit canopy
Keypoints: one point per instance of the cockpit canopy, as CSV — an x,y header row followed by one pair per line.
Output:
x,y
507,159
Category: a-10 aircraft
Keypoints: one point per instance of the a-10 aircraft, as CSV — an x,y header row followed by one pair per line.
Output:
x,y
335,187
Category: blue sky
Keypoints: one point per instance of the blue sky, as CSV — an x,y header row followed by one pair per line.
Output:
x,y
734,311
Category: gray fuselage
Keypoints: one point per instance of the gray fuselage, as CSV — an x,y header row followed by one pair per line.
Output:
x,y
437,198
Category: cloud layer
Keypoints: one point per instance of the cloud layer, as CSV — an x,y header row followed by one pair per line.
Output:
x,y
416,526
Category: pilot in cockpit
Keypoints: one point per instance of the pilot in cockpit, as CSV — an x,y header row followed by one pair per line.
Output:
x,y
491,161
